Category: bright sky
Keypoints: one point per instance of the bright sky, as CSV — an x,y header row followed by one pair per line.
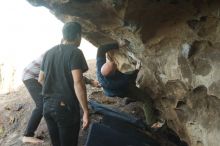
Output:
x,y
27,31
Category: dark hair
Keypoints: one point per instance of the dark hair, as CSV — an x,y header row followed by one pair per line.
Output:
x,y
71,30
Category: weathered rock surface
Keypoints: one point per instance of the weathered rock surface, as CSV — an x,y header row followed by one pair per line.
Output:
x,y
177,42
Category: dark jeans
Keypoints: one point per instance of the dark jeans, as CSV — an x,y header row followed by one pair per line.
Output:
x,y
62,122
34,88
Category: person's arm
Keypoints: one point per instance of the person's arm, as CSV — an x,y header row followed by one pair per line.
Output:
x,y
95,83
105,48
41,61
41,77
92,82
80,90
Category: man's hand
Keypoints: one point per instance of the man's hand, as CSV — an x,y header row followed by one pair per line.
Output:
x,y
95,83
85,120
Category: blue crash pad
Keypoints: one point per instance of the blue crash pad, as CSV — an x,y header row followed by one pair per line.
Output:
x,y
103,135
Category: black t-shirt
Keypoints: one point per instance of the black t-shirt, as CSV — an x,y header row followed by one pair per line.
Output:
x,y
57,65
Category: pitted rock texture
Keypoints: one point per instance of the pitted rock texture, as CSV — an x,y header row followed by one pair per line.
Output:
x,y
177,42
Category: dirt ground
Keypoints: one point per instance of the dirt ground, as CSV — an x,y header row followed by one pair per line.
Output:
x,y
16,108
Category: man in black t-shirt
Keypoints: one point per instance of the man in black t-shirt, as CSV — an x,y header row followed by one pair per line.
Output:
x,y
64,88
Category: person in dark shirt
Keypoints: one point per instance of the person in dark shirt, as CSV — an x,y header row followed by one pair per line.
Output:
x,y
64,88
115,83
29,78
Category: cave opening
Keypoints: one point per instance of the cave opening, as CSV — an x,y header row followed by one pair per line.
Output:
x,y
177,43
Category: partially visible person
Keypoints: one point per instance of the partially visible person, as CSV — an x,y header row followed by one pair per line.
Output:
x,y
30,79
115,83
64,89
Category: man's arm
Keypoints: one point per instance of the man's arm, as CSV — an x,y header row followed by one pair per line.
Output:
x,y
105,48
80,90
41,77
92,82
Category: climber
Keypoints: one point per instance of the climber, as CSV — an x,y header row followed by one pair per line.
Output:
x,y
115,83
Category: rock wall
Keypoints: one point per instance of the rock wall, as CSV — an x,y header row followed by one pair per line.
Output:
x,y
177,42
